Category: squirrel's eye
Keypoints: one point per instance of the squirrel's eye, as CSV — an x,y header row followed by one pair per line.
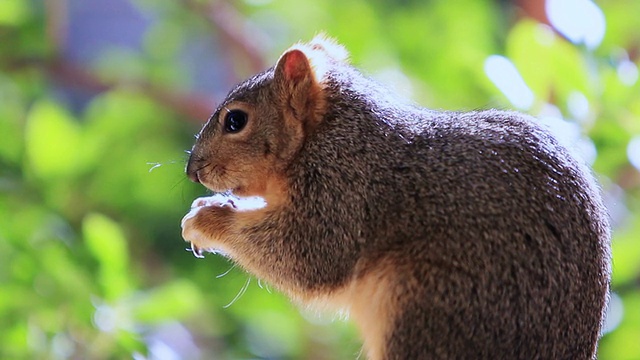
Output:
x,y
235,121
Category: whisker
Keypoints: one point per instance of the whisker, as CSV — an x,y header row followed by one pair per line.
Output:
x,y
264,286
182,179
198,158
204,166
158,164
226,272
155,165
233,171
242,291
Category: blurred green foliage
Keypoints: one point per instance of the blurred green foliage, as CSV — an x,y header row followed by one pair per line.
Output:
x,y
92,264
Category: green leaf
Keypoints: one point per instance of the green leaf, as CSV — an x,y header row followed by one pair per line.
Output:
x,y
53,141
622,343
625,250
11,118
13,12
64,277
107,243
177,300
13,342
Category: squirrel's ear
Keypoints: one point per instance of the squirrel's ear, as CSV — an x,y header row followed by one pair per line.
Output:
x,y
301,76
294,67
300,90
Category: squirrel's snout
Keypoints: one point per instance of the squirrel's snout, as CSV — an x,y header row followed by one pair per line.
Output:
x,y
192,170
193,176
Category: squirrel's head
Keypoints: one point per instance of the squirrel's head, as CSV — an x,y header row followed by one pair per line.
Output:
x,y
256,132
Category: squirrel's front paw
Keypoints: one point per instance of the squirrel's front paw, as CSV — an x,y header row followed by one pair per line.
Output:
x,y
191,233
204,223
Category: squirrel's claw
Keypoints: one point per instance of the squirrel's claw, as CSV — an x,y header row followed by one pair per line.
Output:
x,y
197,252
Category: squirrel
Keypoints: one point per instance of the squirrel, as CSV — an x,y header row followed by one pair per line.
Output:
x,y
443,235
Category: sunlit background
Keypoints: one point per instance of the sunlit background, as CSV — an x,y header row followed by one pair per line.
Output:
x,y
99,100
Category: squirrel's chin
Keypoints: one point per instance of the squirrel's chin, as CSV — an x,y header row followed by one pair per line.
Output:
x,y
218,189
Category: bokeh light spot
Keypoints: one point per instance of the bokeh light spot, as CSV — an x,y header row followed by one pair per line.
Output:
x,y
614,314
627,72
581,21
633,151
503,73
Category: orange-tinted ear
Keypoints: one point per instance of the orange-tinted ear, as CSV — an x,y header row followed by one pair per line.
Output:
x,y
294,66
300,92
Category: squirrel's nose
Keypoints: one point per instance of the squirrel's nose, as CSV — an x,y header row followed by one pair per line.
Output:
x,y
193,176
192,170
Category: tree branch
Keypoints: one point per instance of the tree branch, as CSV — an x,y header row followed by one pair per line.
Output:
x,y
236,31
195,107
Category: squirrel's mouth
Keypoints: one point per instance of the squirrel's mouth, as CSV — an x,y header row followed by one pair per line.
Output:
x,y
213,177
218,185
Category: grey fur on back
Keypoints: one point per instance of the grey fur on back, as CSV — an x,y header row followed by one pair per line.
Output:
x,y
499,236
